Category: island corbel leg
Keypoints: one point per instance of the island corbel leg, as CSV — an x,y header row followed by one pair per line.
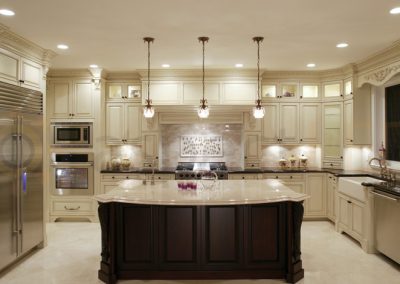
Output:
x,y
295,218
107,269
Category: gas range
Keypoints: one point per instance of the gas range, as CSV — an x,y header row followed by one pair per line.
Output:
x,y
195,170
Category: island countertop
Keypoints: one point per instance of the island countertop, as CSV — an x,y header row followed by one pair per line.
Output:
x,y
224,192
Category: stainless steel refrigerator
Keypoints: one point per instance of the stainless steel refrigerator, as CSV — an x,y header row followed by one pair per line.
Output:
x,y
21,176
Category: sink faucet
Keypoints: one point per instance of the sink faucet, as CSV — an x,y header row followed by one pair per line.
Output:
x,y
152,182
385,173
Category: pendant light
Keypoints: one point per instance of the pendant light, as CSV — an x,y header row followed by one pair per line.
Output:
x,y
258,110
203,110
148,110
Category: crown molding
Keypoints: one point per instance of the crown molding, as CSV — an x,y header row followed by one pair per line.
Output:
x,y
379,76
190,74
69,73
23,47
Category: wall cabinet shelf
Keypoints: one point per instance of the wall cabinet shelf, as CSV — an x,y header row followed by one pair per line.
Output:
x,y
71,99
123,123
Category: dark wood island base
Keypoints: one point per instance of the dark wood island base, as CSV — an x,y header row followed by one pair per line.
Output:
x,y
259,241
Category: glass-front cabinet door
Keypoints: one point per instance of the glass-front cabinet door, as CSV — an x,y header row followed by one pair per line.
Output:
x,y
268,92
333,131
348,88
289,91
123,92
309,92
333,91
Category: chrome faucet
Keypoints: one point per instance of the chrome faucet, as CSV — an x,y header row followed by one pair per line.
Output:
x,y
385,173
152,181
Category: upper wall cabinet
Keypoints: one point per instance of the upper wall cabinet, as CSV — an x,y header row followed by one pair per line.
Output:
x,y
20,71
71,99
242,93
121,92
348,88
310,123
123,123
284,91
163,93
309,92
333,91
193,93
333,134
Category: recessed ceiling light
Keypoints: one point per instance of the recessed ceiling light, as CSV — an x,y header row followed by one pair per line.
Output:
x,y
311,65
342,45
165,66
395,10
62,46
93,66
6,12
238,65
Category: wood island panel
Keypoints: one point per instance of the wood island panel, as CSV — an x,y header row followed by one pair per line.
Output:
x,y
260,241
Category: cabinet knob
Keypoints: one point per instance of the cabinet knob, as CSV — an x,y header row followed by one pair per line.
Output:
x,y
301,139
291,177
113,177
127,177
21,81
341,95
348,201
245,157
301,97
252,165
242,177
351,93
276,177
341,157
351,140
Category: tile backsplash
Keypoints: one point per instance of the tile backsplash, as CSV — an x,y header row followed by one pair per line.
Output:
x,y
272,154
231,141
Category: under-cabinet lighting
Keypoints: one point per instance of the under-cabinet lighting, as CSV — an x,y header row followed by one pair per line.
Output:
x,y
311,65
165,65
395,11
93,66
238,65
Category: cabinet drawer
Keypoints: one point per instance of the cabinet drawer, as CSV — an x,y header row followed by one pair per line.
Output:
x,y
284,176
72,207
332,165
252,165
243,176
111,177
161,176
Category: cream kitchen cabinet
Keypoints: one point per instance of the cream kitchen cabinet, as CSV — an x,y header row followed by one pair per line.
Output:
x,y
110,181
150,148
331,191
20,71
310,92
348,88
294,181
315,206
240,93
236,176
281,123
123,123
310,123
332,91
280,92
163,93
163,176
357,117
332,149
71,99
73,208
252,149
123,92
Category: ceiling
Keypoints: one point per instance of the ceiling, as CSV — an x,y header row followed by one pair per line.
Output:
x,y
297,32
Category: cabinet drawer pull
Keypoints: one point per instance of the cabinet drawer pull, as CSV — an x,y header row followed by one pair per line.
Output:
x,y
291,177
348,201
276,177
21,81
72,208
242,177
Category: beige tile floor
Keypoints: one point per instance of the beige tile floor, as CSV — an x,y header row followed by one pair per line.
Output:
x,y
72,257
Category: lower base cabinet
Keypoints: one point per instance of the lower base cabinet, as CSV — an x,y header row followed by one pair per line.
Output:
x,y
201,242
315,206
77,207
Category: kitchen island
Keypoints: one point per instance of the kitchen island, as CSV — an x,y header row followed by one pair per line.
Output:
x,y
236,229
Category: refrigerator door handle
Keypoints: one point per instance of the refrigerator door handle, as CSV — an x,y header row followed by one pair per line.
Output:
x,y
24,180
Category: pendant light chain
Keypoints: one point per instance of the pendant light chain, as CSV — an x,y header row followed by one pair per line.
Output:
x,y
148,110
203,110
203,71
258,110
258,70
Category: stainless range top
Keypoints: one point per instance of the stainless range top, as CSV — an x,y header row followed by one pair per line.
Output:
x,y
195,170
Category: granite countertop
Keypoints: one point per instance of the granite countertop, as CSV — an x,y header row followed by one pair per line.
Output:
x,y
233,170
224,192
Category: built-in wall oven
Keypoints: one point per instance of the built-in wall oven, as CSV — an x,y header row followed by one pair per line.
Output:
x,y
72,174
71,134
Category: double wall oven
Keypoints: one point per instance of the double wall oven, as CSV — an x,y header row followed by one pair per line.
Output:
x,y
72,174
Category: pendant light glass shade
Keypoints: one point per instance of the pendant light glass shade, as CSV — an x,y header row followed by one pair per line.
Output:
x,y
258,110
203,110
148,110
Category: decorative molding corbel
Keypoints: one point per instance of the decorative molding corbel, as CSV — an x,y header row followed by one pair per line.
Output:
x,y
379,76
96,76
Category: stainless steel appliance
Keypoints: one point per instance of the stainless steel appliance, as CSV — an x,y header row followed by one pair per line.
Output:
x,y
21,177
195,170
387,220
72,134
72,174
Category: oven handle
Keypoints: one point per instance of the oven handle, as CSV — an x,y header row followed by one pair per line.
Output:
x,y
61,164
385,196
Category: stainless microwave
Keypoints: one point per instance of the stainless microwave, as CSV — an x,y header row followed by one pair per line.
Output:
x,y
72,134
